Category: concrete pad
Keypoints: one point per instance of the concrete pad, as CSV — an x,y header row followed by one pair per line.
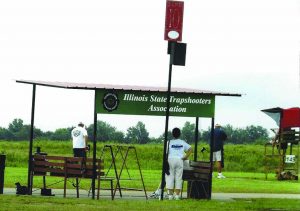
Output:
x,y
140,195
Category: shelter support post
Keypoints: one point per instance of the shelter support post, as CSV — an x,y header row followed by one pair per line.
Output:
x,y
162,184
2,169
29,176
94,148
196,139
211,155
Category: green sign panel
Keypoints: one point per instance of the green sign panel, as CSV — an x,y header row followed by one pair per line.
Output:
x,y
154,103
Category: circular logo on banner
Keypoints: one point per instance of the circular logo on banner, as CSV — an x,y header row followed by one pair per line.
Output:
x,y
110,101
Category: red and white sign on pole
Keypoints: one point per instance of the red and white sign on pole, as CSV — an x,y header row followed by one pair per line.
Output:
x,y
174,20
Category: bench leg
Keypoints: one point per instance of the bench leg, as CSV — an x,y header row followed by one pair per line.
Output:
x,y
65,187
77,188
191,187
205,192
98,190
44,181
112,189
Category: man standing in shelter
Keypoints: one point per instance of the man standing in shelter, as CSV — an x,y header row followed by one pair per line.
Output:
x,y
80,138
219,138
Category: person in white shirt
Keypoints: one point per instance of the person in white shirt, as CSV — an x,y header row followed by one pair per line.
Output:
x,y
178,151
80,138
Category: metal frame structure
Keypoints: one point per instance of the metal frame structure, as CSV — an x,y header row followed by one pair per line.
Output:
x,y
277,157
96,87
286,142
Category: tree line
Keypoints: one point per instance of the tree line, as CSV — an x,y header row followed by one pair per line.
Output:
x,y
137,134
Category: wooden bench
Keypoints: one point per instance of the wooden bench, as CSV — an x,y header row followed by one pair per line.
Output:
x,y
198,173
69,167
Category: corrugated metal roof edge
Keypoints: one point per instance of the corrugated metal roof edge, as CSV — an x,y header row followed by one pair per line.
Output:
x,y
68,85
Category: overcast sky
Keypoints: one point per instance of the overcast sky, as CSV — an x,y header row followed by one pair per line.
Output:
x,y
240,46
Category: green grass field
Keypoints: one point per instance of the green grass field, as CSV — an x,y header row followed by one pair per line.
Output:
x,y
243,169
49,203
238,158
243,166
236,182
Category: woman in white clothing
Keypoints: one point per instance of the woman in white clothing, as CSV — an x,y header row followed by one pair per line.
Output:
x,y
178,151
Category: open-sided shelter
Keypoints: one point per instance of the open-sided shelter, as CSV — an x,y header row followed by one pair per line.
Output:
x,y
136,100
286,141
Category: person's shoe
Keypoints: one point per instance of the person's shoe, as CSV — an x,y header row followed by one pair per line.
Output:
x,y
177,197
221,176
171,197
152,195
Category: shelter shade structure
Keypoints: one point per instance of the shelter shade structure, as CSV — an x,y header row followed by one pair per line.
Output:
x,y
284,118
135,100
286,141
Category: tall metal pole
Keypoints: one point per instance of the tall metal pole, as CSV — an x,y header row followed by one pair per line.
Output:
x,y
162,184
212,143
29,179
94,147
196,139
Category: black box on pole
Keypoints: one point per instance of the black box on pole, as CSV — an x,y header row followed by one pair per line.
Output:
x,y
179,53
2,167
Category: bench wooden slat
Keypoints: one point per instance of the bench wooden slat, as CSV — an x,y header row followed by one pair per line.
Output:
x,y
202,176
195,173
200,164
74,165
79,165
87,160
204,171
47,163
81,172
72,172
47,169
74,159
48,157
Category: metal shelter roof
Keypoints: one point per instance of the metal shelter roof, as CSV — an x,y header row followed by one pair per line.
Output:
x,y
284,118
92,86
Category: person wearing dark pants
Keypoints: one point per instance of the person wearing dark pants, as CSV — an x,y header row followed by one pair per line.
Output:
x,y
80,138
218,150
